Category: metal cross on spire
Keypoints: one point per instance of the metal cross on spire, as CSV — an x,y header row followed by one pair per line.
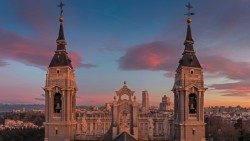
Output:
x,y
61,5
189,7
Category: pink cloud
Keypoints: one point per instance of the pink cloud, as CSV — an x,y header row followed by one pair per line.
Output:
x,y
240,89
3,63
164,56
231,69
153,56
32,52
76,59
38,50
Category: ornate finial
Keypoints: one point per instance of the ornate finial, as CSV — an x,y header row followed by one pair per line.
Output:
x,y
189,14
124,82
61,5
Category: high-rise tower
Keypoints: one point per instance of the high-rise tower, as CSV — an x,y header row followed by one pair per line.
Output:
x,y
165,103
145,101
60,93
189,93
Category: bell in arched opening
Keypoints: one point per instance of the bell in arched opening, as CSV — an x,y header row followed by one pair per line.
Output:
x,y
57,103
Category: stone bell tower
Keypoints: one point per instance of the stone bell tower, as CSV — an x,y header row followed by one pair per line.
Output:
x,y
189,93
60,93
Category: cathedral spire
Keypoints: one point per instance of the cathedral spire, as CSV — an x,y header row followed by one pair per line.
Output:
x,y
189,58
61,33
61,58
61,39
188,123
189,40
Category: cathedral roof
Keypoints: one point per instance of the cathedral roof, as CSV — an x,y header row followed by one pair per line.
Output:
x,y
60,57
189,58
124,137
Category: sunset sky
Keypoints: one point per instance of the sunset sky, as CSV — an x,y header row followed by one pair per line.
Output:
x,y
111,41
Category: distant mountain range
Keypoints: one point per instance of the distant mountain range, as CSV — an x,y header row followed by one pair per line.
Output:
x,y
28,107
10,107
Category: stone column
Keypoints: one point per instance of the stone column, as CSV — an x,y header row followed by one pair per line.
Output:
x,y
181,108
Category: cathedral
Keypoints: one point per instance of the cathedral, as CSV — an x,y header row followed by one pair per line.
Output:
x,y
124,119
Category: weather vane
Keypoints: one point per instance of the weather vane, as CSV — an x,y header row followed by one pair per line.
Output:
x,y
189,14
61,5
189,7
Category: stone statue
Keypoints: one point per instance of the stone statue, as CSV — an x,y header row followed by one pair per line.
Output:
x,y
150,127
124,121
84,125
99,126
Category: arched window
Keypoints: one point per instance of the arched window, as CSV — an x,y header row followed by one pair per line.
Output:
x,y
57,103
192,103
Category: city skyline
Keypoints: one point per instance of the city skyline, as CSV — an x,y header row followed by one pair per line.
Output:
x,y
109,44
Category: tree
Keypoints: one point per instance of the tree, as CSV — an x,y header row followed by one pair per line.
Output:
x,y
238,126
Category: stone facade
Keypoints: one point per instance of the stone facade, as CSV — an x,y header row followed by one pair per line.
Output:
x,y
60,94
60,91
123,115
189,95
126,115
